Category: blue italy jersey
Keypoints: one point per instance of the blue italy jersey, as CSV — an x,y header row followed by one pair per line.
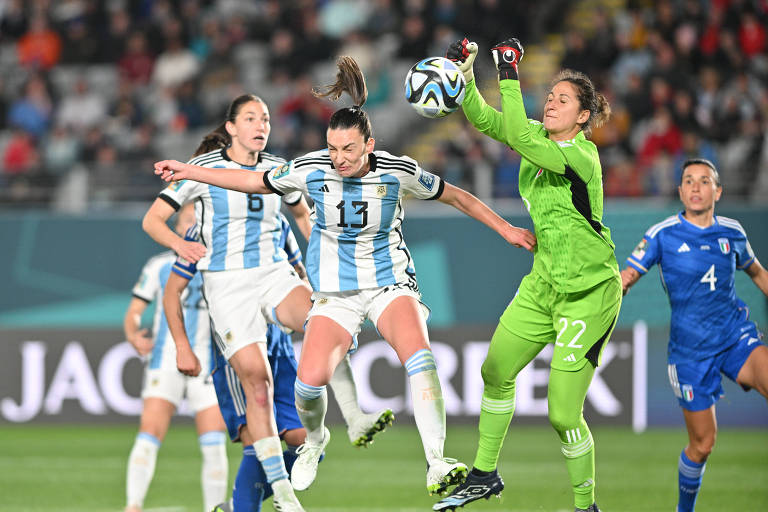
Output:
x,y
697,268
278,343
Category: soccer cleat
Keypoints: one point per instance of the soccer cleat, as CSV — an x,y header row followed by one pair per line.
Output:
x,y
443,473
474,488
361,432
284,499
305,468
592,508
223,507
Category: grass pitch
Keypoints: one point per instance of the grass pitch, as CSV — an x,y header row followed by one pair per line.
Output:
x,y
82,468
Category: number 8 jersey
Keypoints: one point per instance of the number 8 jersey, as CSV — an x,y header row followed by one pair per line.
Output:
x,y
240,230
356,240
697,267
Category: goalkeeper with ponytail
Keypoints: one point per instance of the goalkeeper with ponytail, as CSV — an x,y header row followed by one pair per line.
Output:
x,y
571,297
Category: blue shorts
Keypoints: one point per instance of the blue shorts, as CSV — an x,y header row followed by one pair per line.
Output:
x,y
698,384
231,397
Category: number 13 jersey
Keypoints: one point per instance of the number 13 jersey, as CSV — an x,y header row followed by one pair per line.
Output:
x,y
697,267
356,240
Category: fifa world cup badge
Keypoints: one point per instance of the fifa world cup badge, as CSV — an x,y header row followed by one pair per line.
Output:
x,y
639,251
381,190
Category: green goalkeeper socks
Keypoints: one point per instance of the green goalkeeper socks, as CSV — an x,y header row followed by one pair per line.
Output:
x,y
495,416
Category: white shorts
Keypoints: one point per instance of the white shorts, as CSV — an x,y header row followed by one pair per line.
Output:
x,y
350,309
173,386
242,301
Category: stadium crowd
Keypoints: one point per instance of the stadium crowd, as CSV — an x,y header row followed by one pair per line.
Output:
x,y
92,92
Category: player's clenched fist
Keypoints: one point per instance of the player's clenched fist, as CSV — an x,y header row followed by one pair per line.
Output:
x,y
463,53
507,55
171,170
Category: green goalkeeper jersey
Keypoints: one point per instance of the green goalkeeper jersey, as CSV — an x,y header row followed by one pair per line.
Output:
x,y
561,184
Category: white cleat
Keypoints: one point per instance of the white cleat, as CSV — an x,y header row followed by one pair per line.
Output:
x,y
305,468
284,499
361,432
444,473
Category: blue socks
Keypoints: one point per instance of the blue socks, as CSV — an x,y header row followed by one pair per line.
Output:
x,y
251,487
689,479
250,483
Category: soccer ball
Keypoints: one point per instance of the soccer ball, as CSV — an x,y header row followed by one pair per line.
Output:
x,y
434,87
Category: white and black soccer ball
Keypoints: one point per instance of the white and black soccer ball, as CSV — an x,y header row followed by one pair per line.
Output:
x,y
434,87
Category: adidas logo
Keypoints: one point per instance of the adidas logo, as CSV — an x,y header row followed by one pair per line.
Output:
x,y
684,248
324,188
570,357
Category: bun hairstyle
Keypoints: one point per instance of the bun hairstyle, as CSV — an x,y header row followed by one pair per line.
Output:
x,y
589,98
349,79
219,138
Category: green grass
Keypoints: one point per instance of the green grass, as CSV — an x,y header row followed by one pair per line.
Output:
x,y
82,468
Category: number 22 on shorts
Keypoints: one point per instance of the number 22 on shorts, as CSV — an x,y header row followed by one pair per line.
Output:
x,y
579,324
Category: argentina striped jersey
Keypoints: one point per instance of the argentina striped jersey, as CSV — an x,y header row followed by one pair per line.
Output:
x,y
149,288
240,230
356,241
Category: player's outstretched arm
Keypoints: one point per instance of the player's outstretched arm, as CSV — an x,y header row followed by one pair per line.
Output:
x,y
134,334
629,276
250,182
186,360
155,224
478,210
759,276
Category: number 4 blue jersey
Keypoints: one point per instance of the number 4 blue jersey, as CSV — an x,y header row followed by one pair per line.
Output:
x,y
697,268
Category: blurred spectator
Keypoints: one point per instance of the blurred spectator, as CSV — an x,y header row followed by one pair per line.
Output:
x,y
577,54
137,63
339,17
39,47
115,41
282,54
79,45
20,155
82,108
189,108
13,20
61,151
382,19
751,35
32,111
414,39
175,65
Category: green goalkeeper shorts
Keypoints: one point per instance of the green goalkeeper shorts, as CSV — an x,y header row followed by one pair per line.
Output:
x,y
579,324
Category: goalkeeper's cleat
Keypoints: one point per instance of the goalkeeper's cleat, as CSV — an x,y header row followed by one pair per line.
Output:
x,y
223,507
444,473
474,488
305,468
361,432
284,499
592,508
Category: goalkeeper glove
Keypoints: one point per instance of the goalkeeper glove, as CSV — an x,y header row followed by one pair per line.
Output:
x,y
507,55
463,53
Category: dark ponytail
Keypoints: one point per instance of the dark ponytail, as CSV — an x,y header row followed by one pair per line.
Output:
x,y
219,138
349,79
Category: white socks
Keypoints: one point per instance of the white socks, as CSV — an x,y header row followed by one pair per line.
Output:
x,y
428,403
345,392
141,468
214,474
311,405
